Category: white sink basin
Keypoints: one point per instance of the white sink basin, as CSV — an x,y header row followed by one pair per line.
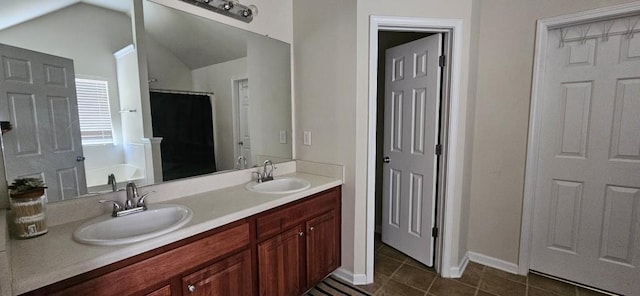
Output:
x,y
279,186
155,221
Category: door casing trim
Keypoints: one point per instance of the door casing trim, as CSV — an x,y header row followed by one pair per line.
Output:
x,y
535,116
451,196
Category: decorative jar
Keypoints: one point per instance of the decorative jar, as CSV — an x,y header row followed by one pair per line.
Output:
x,y
28,213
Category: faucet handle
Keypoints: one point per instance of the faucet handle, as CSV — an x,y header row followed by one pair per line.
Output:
x,y
273,168
142,202
258,176
117,206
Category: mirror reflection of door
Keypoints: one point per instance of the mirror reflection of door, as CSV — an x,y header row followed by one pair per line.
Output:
x,y
38,96
241,93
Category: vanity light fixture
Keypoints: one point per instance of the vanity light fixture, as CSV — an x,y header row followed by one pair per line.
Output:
x,y
231,8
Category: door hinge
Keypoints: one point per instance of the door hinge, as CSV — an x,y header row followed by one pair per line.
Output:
x,y
434,232
438,149
441,60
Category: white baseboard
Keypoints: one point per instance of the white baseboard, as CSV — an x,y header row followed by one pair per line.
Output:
x,y
457,271
349,277
493,262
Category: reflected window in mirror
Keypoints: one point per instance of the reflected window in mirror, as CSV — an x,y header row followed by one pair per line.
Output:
x,y
94,111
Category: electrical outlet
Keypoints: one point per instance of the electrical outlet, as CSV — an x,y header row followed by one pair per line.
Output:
x,y
307,138
283,137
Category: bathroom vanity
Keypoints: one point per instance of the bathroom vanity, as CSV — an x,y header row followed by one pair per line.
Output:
x,y
238,243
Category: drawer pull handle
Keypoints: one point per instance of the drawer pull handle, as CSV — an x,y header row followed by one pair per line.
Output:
x,y
311,228
300,233
191,288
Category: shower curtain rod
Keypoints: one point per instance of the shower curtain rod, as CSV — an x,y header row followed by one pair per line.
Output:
x,y
187,92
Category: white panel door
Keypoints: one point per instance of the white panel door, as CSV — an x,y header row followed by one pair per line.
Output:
x,y
244,104
38,96
412,96
587,197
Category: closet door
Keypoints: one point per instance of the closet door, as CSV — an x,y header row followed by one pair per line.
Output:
x,y
587,197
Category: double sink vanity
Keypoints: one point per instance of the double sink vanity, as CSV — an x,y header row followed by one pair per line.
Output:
x,y
214,235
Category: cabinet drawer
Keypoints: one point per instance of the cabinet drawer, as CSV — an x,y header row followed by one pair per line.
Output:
x,y
274,222
228,277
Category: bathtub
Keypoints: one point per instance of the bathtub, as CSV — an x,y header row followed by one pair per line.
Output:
x,y
97,178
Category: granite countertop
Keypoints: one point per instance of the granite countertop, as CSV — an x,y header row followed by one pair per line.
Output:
x,y
56,256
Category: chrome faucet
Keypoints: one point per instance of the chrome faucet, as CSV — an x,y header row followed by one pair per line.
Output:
x,y
241,163
130,206
132,194
111,180
266,175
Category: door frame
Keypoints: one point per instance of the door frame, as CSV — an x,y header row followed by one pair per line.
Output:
x,y
543,27
449,197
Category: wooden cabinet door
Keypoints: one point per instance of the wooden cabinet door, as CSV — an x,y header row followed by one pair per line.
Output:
x,y
227,277
164,291
322,247
279,264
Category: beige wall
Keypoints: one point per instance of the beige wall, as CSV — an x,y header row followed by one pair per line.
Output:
x,y
470,140
325,75
507,33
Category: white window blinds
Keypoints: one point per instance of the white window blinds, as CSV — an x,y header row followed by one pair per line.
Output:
x,y
93,110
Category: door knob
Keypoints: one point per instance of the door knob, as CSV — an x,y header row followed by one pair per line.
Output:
x,y
386,159
191,288
80,158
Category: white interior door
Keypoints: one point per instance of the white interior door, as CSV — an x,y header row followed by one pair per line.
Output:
x,y
586,223
244,104
412,97
38,96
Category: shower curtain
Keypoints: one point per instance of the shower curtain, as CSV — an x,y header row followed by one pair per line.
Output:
x,y
185,124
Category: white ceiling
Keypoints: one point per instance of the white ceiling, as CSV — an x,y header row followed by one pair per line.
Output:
x,y
196,41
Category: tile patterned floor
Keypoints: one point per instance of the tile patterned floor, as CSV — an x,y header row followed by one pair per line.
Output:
x,y
398,275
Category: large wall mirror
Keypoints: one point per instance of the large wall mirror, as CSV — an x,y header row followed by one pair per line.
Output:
x,y
216,93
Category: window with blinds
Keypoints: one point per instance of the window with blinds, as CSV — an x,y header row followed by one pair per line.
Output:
x,y
93,110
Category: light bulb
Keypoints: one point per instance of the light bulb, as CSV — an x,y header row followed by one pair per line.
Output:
x,y
227,5
253,9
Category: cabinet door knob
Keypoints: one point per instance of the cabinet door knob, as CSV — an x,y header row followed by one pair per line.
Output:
x,y
311,228
191,288
300,233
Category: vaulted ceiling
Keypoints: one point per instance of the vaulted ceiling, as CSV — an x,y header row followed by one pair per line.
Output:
x,y
196,41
